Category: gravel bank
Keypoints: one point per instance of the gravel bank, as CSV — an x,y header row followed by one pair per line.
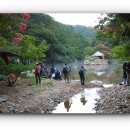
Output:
x,y
114,100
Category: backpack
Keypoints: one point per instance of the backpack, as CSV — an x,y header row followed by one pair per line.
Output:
x,y
81,72
128,65
37,69
125,65
53,70
66,70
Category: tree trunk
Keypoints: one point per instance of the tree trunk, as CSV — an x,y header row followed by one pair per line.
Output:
x,y
5,58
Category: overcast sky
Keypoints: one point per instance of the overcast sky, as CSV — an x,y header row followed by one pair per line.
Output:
x,y
86,19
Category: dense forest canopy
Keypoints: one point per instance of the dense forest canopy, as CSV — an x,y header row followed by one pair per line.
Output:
x,y
41,34
65,42
53,41
85,31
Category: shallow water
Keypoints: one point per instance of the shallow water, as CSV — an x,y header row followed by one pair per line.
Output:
x,y
99,73
83,102
106,73
108,85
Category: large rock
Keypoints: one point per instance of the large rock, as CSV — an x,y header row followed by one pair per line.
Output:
x,y
97,83
3,98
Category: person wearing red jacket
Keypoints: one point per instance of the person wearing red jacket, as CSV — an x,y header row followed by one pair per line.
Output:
x,y
37,72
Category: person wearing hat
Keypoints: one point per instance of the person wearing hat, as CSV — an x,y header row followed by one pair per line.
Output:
x,y
37,72
81,74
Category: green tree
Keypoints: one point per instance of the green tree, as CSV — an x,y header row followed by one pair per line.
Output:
x,y
122,52
116,28
30,51
88,51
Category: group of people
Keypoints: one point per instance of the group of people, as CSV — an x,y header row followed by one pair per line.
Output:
x,y
41,70
54,73
126,73
16,60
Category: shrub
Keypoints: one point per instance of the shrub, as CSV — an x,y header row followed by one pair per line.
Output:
x,y
12,71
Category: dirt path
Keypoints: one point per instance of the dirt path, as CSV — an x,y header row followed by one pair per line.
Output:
x,y
43,98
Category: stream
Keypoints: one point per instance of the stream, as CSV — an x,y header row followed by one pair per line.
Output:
x,y
81,103
84,102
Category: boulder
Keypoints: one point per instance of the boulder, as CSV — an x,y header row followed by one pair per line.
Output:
x,y
97,83
3,99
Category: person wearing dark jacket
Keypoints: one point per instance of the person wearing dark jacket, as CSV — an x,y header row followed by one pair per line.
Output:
x,y
66,71
53,70
128,73
81,74
57,75
44,70
124,72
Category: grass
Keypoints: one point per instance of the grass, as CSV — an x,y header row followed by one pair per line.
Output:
x,y
74,75
116,75
89,76
36,88
17,87
32,79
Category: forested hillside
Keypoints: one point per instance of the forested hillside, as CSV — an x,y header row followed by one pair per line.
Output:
x,y
65,41
85,31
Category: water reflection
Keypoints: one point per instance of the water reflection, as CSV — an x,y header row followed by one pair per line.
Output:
x,y
67,104
83,100
99,73
108,85
78,103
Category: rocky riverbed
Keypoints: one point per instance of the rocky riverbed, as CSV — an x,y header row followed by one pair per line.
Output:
x,y
114,100
25,97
